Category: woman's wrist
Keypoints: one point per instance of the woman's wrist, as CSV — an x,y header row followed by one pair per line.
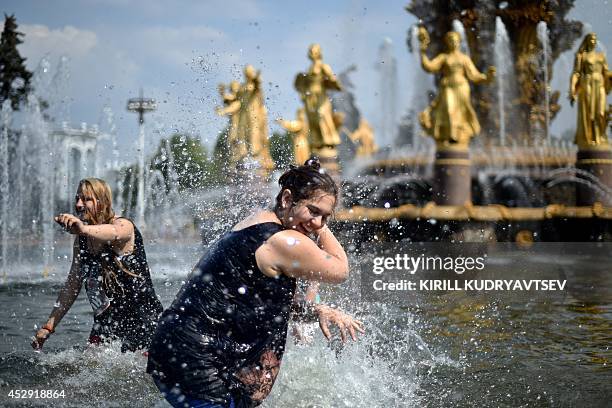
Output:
x,y
320,308
305,311
321,230
48,327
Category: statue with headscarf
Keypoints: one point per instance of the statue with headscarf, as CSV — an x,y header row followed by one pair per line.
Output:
x,y
589,86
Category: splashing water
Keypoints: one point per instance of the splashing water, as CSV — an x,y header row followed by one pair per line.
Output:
x,y
452,349
542,31
387,68
38,131
421,86
4,186
505,75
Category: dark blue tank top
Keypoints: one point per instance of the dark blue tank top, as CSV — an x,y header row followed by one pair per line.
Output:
x,y
224,335
124,302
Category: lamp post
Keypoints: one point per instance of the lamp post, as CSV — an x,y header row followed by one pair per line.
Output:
x,y
141,105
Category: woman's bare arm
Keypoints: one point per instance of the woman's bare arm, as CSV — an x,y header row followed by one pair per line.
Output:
x,y
434,65
294,254
120,231
68,294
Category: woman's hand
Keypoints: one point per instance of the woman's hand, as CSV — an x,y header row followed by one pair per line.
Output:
x,y
39,338
318,232
70,223
344,322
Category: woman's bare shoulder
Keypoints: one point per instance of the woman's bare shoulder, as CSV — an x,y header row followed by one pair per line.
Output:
x,y
258,217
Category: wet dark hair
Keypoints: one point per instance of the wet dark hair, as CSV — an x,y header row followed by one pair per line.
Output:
x,y
304,181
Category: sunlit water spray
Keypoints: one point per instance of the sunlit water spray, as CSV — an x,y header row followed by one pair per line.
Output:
x,y
4,185
421,84
505,75
542,31
38,131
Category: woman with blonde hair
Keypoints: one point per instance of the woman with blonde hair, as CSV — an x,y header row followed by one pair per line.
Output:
x,y
109,258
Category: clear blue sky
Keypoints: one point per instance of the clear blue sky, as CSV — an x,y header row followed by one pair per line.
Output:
x,y
179,51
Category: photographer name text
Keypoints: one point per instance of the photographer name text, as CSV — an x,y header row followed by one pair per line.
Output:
x,y
471,284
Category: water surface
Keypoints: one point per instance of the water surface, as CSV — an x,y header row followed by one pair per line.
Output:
x,y
449,350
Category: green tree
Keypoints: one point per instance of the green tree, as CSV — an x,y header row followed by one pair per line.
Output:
x,y
14,77
221,158
129,190
184,159
281,149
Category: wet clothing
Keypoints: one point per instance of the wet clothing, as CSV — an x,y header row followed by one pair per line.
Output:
x,y
177,399
223,338
125,305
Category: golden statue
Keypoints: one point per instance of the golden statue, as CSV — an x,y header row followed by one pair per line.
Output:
x,y
253,121
231,106
590,84
313,86
298,129
450,119
249,118
363,137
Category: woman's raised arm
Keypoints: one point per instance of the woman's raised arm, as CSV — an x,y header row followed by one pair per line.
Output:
x,y
119,231
294,254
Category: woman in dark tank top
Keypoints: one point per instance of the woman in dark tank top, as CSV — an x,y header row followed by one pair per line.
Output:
x,y
109,259
221,342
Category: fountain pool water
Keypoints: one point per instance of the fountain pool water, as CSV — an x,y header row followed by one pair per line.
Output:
x,y
450,348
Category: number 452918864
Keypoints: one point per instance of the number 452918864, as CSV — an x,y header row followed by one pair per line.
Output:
x,y
37,394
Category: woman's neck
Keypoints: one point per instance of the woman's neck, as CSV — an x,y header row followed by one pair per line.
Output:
x,y
280,214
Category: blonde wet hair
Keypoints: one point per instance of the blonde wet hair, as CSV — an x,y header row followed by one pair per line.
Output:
x,y
102,194
103,213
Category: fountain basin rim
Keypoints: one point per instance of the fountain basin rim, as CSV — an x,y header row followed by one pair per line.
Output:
x,y
522,161
468,212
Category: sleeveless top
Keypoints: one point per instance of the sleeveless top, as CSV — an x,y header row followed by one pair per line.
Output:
x,y
224,336
125,305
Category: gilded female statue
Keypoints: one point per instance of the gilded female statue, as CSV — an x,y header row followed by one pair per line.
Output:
x,y
450,119
253,121
589,84
248,134
231,107
298,129
363,137
313,86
